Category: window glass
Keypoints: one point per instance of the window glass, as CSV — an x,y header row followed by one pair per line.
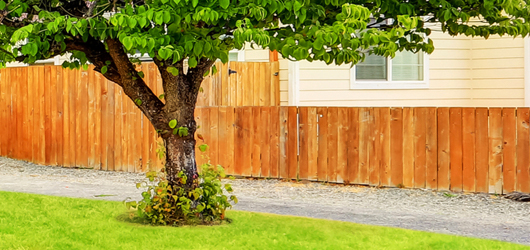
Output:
x,y
373,68
407,66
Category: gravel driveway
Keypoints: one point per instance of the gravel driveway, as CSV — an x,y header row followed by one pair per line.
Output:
x,y
476,215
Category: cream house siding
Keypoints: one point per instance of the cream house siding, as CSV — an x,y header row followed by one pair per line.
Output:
x,y
463,71
256,54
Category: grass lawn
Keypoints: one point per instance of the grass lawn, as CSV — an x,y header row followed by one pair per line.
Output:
x,y
30,221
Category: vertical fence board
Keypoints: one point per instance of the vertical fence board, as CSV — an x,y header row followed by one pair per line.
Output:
x,y
444,158
509,150
408,147
322,161
256,142
305,136
420,160
292,146
333,131
214,135
283,167
468,149
353,146
455,144
523,147
41,136
374,148
495,151
275,141
342,147
265,140
92,120
247,141
364,142
248,83
481,150
275,81
48,152
431,154
385,141
26,137
396,146
3,109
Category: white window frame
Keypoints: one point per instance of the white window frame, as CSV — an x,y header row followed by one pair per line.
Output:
x,y
390,84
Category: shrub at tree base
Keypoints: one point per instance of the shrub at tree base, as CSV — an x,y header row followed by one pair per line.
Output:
x,y
163,204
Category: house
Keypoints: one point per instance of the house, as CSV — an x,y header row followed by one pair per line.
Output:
x,y
461,72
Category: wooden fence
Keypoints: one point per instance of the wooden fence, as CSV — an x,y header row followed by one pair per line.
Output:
x,y
242,84
53,116
459,149
56,116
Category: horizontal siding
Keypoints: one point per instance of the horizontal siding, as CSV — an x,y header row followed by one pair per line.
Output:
x,y
488,75
284,81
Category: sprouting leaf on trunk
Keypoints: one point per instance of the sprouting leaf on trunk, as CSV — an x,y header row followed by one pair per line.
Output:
x,y
203,147
201,90
104,70
138,102
162,96
173,123
174,71
183,131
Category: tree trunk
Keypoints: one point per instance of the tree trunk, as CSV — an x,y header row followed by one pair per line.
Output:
x,y
180,156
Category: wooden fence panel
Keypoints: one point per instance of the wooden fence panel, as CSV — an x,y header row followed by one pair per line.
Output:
x,y
523,147
455,145
322,161
495,151
408,147
420,120
384,142
256,141
509,134
364,157
265,140
79,119
481,150
353,146
431,153
396,146
343,136
292,145
275,141
333,142
444,159
305,136
468,149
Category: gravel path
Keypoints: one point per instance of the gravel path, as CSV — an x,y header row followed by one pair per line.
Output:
x,y
476,215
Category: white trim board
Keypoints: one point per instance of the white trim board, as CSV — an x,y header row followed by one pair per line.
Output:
x,y
294,83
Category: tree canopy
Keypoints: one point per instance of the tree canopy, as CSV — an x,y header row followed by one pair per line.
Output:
x,y
339,31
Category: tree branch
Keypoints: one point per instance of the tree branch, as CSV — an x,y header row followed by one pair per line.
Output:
x,y
134,86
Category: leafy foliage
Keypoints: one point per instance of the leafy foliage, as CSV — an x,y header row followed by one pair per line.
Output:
x,y
340,31
163,204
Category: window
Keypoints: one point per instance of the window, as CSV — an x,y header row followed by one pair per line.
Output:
x,y
406,70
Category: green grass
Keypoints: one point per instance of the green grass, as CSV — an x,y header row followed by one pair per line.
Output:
x,y
44,222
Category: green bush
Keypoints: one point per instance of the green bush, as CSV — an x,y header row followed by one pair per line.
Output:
x,y
163,204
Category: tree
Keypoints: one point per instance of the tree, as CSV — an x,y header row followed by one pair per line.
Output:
x,y
106,32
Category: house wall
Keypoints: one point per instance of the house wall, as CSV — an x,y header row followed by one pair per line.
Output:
x,y
464,71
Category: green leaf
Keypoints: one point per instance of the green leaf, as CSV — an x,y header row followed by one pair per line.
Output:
x,y
183,131
192,62
162,96
203,147
128,42
174,71
194,3
2,5
224,3
104,70
172,123
138,102
141,74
